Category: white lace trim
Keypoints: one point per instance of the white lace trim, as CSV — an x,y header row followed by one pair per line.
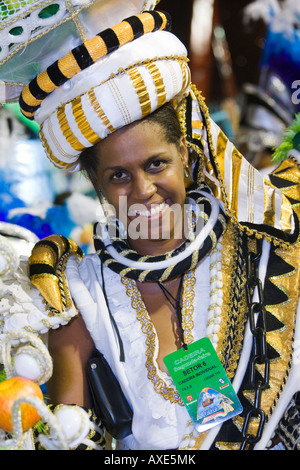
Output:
x,y
22,306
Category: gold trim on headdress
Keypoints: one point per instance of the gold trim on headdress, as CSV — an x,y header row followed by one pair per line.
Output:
x,y
159,83
82,121
141,91
88,118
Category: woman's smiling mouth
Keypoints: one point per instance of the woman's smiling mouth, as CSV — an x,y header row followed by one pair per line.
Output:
x,y
143,210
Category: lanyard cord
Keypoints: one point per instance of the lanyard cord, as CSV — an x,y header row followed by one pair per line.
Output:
x,y
176,304
115,327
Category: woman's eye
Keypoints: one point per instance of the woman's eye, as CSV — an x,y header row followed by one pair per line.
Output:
x,y
157,165
118,175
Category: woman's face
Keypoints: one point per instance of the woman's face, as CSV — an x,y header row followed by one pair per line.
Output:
x,y
141,175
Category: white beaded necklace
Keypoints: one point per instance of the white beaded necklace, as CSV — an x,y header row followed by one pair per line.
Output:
x,y
216,295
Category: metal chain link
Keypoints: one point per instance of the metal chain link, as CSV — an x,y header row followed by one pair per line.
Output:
x,y
257,320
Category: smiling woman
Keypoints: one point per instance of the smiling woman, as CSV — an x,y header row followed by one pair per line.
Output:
x,y
140,171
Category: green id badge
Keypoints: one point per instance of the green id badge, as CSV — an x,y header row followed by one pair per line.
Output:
x,y
203,385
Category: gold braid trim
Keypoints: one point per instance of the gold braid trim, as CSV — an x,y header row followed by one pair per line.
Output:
x,y
234,310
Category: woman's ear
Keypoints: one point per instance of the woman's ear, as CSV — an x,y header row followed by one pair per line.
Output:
x,y
184,151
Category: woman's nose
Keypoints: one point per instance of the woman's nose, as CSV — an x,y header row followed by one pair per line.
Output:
x,y
143,186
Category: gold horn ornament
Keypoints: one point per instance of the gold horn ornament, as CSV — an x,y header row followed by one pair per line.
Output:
x,y
44,263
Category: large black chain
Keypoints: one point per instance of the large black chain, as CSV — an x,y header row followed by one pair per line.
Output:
x,y
257,320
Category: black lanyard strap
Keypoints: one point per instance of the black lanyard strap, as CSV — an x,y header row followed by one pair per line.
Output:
x,y
176,304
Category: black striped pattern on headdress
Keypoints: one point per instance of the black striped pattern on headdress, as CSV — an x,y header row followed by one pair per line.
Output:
x,y
85,55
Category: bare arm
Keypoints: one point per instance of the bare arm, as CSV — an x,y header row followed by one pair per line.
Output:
x,y
70,347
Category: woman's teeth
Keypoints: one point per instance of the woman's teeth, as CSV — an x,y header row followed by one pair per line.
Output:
x,y
155,209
